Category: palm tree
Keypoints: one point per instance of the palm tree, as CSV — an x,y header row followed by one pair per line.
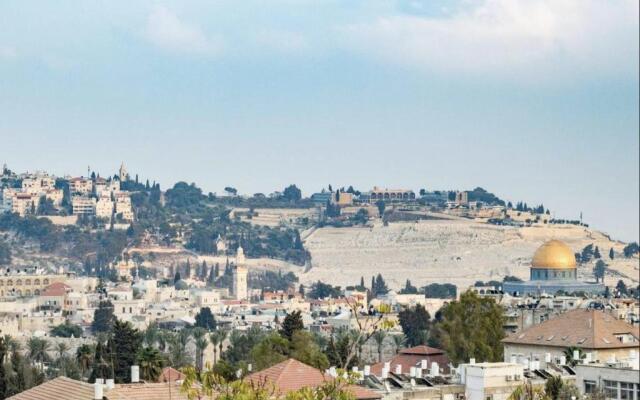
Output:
x,y
151,334
399,341
177,349
151,363
214,338
38,350
61,349
527,391
378,337
568,353
84,358
220,337
201,344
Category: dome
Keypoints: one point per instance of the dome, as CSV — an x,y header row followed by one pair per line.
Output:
x,y
181,285
554,254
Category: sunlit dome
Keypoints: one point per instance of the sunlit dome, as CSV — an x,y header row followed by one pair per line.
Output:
x,y
554,254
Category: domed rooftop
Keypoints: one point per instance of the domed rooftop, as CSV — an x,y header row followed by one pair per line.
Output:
x,y
181,285
554,254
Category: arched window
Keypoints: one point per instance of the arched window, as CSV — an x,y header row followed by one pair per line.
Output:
x,y
10,282
27,282
19,282
36,282
27,292
2,282
45,281
36,292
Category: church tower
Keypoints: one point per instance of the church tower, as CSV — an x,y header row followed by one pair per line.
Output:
x,y
122,173
239,288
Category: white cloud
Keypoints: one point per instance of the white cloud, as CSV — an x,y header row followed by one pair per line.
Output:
x,y
510,36
285,41
167,31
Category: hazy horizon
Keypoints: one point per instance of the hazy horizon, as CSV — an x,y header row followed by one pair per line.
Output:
x,y
535,101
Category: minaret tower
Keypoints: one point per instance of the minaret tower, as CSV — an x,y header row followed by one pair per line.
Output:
x,y
240,272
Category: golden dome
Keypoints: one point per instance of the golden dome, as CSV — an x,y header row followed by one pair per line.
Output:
x,y
554,254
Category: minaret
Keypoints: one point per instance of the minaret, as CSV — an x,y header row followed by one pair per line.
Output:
x,y
239,288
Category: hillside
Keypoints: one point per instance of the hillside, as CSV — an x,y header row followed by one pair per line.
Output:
x,y
457,251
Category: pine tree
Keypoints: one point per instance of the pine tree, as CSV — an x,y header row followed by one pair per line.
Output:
x,y
176,277
188,269
292,323
611,253
596,253
103,318
3,375
124,345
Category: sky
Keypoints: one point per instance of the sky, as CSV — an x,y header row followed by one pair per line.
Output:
x,y
534,100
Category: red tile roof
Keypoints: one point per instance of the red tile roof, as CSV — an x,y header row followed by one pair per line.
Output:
x,y
291,375
56,289
170,374
56,389
412,357
587,329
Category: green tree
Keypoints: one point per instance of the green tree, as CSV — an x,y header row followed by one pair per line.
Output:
x,y
630,249
473,328
103,318
379,337
611,254
205,319
305,348
381,206
409,288
124,344
292,193
569,355
201,343
270,351
415,323
38,349
66,330
151,363
5,253
621,288
599,270
102,366
399,341
596,253
3,374
84,358
292,323
321,290
552,387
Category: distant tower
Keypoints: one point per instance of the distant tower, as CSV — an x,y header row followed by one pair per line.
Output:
x,y
122,173
239,288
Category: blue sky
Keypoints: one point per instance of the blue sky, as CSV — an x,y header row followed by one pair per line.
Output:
x,y
534,100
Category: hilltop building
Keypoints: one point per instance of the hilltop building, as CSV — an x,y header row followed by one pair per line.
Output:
x,y
553,269
390,195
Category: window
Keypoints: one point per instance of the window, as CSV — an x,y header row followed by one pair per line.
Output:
x,y
611,389
626,391
124,310
589,386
